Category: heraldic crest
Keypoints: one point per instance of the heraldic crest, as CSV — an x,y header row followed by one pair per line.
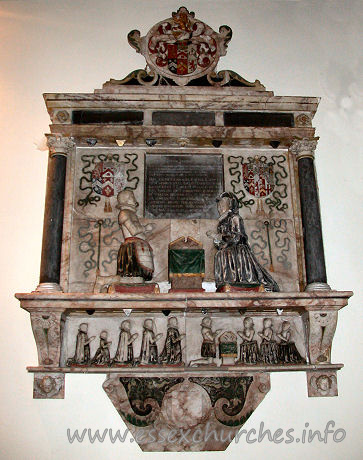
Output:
x,y
181,48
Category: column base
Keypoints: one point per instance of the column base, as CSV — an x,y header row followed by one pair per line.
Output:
x,y
48,287
317,287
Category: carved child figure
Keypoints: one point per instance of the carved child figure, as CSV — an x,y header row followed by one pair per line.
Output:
x,y
102,356
248,348
268,350
82,353
287,349
125,349
208,350
149,349
172,352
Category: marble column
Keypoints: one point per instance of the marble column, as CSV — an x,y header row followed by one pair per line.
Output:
x,y
304,150
59,148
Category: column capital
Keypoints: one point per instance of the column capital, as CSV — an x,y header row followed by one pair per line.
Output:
x,y
59,145
304,148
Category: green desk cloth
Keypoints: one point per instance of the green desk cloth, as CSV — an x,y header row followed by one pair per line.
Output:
x,y
228,349
186,262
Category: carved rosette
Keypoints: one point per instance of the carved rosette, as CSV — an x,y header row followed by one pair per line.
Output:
x,y
304,148
181,48
302,120
59,145
62,116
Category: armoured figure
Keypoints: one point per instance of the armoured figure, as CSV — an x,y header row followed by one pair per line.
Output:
x,y
135,256
208,349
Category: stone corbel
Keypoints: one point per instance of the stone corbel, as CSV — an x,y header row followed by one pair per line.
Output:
x,y
48,386
47,329
321,327
322,384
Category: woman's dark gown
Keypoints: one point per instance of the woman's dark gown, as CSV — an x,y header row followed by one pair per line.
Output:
x,y
234,262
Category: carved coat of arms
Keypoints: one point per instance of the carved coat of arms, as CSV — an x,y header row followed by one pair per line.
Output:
x,y
181,46
258,178
108,178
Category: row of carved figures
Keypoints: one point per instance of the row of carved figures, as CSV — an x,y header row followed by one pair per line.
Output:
x,y
269,351
171,354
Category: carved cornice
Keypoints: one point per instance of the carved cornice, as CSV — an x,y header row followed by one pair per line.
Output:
x,y
59,145
304,148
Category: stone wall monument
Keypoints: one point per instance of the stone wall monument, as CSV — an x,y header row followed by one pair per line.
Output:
x,y
138,165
